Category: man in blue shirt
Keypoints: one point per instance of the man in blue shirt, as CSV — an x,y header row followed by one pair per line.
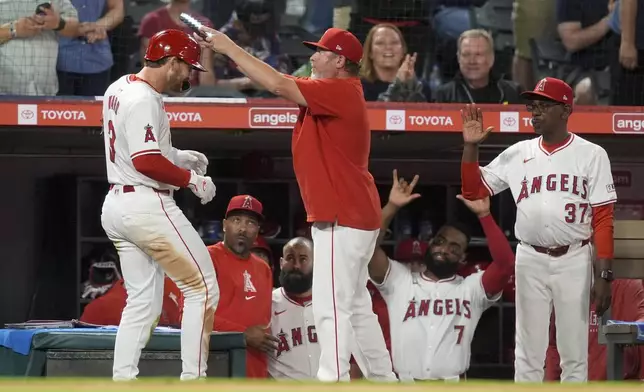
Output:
x,y
84,62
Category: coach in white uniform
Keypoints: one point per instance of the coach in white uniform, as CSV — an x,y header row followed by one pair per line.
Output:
x,y
298,352
563,189
433,314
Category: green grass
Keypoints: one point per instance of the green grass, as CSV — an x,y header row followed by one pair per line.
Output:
x,y
174,385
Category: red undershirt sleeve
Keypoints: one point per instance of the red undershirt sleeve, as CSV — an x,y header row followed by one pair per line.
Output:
x,y
602,224
472,186
497,275
160,169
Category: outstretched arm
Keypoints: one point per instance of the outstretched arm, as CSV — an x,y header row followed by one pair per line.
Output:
x,y
257,70
497,275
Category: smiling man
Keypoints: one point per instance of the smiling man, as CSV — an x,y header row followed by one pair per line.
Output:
x,y
433,314
245,283
564,193
475,82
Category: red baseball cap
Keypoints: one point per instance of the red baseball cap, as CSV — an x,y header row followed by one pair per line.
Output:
x,y
260,243
245,203
339,42
553,89
411,250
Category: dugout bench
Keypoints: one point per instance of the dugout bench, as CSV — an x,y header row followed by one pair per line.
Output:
x,y
628,264
89,352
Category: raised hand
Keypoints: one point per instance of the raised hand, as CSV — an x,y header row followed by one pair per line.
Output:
x,y
481,207
473,132
401,191
215,40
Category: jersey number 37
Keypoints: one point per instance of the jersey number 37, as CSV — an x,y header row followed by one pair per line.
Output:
x,y
576,212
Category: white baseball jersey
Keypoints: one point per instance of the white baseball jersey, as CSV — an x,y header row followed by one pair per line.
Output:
x,y
554,192
432,322
134,124
298,353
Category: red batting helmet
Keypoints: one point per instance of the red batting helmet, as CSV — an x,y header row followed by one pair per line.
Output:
x,y
176,43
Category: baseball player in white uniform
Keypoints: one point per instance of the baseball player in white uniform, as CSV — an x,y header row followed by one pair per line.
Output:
x,y
149,231
298,352
433,314
564,192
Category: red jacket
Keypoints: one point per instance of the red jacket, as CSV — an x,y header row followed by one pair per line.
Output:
x,y
107,309
627,305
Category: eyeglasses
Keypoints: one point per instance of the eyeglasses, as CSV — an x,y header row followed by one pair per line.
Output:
x,y
541,107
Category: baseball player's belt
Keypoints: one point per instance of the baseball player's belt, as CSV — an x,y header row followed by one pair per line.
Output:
x,y
130,188
557,251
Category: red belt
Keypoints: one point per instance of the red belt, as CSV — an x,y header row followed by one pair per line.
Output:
x,y
130,188
557,251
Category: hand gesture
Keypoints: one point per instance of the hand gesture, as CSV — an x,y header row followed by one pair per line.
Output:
x,y
215,40
601,295
473,125
257,338
192,160
407,70
401,191
92,32
202,186
480,207
27,27
49,20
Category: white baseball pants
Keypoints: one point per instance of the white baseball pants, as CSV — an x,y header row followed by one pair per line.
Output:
x,y
153,238
542,281
342,310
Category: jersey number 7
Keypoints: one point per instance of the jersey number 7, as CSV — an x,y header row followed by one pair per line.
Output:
x,y
112,135
575,211
459,330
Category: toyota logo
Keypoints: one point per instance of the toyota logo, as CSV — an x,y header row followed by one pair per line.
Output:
x,y
509,121
395,119
27,114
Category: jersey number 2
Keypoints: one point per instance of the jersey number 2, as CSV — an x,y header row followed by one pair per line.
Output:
x,y
459,330
112,136
573,210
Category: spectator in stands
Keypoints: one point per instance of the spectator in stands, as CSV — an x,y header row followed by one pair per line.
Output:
x,y
29,45
475,83
627,304
532,19
584,31
626,54
252,27
84,61
167,17
409,16
452,17
107,309
388,71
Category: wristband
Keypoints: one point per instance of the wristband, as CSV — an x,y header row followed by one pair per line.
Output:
x,y
12,30
61,24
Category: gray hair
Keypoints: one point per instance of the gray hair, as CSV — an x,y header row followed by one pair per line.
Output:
x,y
475,33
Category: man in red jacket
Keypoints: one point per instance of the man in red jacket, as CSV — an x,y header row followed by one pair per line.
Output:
x,y
331,145
245,284
627,305
107,309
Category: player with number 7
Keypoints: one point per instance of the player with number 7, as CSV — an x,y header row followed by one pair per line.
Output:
x,y
563,189
433,314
